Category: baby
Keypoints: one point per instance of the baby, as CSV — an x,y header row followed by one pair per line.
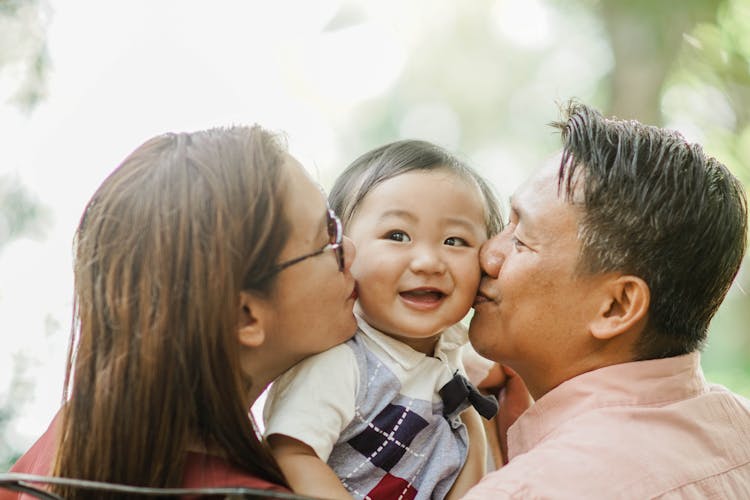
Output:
x,y
389,413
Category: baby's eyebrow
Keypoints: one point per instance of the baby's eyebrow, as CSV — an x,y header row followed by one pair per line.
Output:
x,y
463,222
395,212
405,214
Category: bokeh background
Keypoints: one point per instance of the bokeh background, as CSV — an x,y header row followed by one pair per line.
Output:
x,y
84,83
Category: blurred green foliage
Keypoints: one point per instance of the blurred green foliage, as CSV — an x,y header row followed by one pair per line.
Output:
x,y
20,212
23,53
712,79
23,49
716,57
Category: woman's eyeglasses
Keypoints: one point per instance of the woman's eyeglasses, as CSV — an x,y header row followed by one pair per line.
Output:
x,y
335,243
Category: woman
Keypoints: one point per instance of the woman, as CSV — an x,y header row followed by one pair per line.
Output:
x,y
206,265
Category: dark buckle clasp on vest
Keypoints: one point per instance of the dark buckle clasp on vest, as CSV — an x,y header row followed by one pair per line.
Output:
x,y
459,389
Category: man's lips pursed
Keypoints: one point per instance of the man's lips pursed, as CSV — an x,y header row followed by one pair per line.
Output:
x,y
481,298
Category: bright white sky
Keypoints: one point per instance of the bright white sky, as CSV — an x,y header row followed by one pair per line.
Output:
x,y
125,71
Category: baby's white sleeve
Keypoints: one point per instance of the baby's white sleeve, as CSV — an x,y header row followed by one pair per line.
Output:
x,y
475,366
314,401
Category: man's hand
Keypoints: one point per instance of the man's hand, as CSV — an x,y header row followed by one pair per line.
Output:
x,y
514,399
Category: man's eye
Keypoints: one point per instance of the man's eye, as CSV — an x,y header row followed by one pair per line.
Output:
x,y
398,236
455,241
517,243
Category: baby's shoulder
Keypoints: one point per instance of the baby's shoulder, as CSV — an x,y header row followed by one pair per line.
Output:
x,y
336,366
339,355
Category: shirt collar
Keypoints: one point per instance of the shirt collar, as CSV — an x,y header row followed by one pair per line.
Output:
x,y
651,382
446,349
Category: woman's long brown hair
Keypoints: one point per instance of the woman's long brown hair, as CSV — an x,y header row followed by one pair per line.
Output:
x,y
163,249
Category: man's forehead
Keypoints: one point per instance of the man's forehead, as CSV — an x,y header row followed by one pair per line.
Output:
x,y
548,177
540,194
543,179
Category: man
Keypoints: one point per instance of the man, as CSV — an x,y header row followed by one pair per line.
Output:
x,y
598,294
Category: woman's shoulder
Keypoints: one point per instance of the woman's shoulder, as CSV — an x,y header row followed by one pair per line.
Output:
x,y
210,471
40,457
201,470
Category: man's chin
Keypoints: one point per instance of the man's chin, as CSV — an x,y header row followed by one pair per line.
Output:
x,y
478,341
484,335
479,324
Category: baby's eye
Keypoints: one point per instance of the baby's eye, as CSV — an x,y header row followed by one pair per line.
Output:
x,y
398,236
455,241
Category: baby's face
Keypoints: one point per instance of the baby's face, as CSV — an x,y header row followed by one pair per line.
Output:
x,y
417,270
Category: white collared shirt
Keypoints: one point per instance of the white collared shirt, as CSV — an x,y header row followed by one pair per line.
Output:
x,y
316,399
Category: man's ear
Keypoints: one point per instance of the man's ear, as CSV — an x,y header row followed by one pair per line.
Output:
x,y
251,331
626,302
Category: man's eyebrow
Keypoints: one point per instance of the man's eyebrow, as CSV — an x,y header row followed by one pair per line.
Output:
x,y
512,204
514,208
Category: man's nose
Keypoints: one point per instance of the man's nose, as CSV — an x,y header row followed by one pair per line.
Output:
x,y
492,254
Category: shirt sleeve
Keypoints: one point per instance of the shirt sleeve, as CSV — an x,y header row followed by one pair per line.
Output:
x,y
476,367
314,401
495,486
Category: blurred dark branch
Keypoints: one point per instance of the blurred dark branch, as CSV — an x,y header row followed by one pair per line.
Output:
x,y
646,37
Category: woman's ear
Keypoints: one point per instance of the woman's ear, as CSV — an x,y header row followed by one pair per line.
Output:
x,y
627,299
251,330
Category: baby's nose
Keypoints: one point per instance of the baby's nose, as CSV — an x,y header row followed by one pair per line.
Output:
x,y
426,260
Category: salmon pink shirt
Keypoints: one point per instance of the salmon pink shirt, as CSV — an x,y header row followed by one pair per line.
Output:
x,y
647,429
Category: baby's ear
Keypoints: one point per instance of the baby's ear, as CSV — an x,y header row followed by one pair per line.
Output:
x,y
626,302
251,330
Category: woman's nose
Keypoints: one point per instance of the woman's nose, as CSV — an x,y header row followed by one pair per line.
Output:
x,y
350,251
492,254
